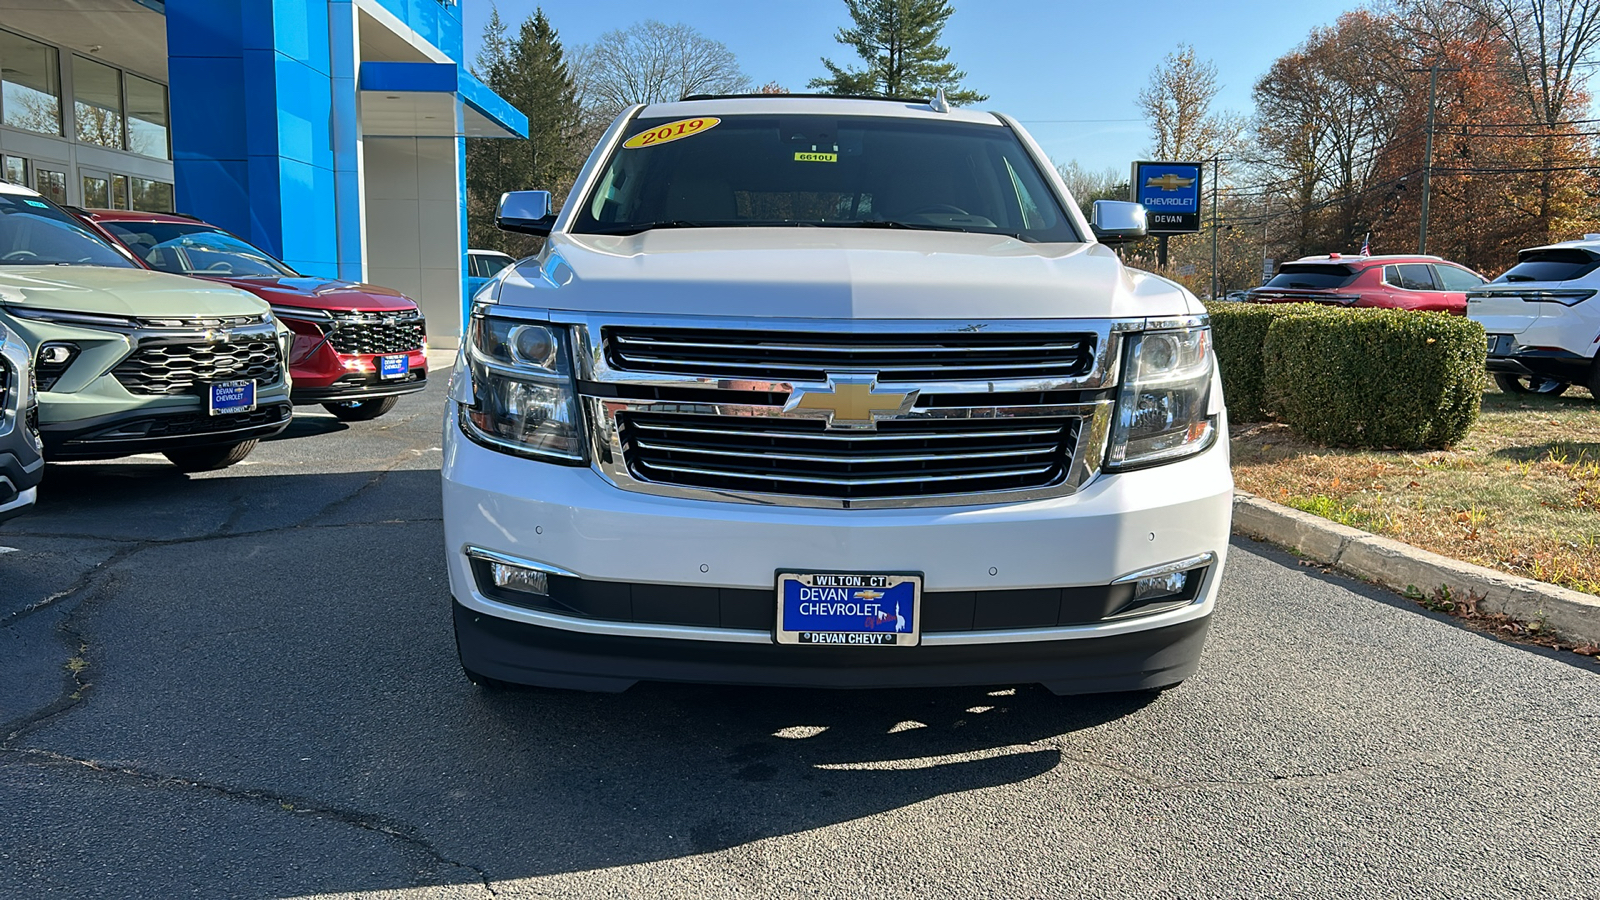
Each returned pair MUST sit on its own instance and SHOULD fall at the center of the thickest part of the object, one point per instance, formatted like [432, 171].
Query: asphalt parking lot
[243, 684]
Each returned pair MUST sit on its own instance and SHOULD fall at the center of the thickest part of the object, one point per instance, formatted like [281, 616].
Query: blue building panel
[478, 95]
[265, 116]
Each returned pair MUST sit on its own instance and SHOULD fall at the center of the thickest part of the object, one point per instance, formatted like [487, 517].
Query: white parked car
[1542, 320]
[831, 392]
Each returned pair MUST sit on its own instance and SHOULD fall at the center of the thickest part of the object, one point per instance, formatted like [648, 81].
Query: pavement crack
[398, 830]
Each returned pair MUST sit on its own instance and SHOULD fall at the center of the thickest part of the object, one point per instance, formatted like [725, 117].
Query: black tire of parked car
[209, 459]
[1594, 378]
[1531, 384]
[361, 410]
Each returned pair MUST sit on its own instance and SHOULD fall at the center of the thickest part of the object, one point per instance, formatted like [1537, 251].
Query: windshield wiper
[924, 226]
[638, 227]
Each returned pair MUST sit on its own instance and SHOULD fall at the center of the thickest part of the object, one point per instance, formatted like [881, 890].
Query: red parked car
[1396, 282]
[357, 347]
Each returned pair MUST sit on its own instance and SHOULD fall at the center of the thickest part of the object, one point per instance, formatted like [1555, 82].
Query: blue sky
[1044, 62]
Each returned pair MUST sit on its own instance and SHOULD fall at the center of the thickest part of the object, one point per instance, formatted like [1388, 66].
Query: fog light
[1159, 586]
[516, 578]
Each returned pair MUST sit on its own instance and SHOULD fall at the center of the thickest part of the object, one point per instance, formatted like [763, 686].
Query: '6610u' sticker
[672, 131]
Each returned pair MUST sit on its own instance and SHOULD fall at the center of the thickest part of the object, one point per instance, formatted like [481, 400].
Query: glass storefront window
[51, 184]
[30, 84]
[147, 117]
[97, 102]
[17, 170]
[96, 192]
[152, 196]
[119, 192]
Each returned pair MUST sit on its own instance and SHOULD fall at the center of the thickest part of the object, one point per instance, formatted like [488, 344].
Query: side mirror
[525, 212]
[1118, 221]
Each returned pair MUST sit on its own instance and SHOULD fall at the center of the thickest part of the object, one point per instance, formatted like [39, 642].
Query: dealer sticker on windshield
[672, 131]
[845, 609]
[816, 157]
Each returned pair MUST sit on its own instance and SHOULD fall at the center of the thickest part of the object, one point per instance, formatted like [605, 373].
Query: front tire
[361, 410]
[209, 459]
[1531, 384]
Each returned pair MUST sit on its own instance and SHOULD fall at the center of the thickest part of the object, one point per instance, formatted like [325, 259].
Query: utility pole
[1427, 157]
[1216, 182]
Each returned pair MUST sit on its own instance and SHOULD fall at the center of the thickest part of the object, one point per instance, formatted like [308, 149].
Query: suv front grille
[178, 368]
[903, 458]
[368, 333]
[811, 356]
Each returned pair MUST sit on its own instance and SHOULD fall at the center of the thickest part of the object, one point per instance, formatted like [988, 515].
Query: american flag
[1366, 245]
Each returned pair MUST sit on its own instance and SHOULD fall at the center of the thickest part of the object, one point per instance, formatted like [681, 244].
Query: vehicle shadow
[1565, 452]
[665, 771]
[315, 666]
[304, 426]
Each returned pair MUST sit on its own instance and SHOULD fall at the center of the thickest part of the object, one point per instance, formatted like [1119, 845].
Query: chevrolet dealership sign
[1170, 192]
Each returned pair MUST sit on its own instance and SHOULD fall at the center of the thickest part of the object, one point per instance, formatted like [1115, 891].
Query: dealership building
[331, 133]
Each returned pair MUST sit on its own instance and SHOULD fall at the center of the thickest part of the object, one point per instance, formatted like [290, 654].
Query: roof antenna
[939, 104]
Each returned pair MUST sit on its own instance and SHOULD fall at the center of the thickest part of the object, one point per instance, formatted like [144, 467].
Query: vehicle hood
[308, 292]
[121, 292]
[835, 274]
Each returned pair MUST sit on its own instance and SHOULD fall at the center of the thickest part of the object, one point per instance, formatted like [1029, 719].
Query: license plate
[390, 367]
[227, 397]
[849, 609]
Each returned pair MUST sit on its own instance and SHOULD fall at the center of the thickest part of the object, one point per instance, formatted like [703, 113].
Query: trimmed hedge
[1239, 332]
[1377, 378]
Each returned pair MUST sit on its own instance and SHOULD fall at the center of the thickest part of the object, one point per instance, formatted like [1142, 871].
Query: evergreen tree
[899, 42]
[532, 74]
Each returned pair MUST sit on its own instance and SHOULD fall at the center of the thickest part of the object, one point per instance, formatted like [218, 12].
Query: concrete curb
[1571, 614]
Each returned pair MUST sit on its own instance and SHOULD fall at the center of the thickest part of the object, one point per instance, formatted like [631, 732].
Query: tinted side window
[1452, 278]
[475, 265]
[493, 264]
[1416, 277]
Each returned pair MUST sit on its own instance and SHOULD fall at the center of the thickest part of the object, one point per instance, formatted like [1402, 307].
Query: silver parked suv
[21, 466]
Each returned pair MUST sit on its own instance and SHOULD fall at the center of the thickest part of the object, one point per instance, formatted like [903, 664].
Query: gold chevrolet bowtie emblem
[869, 595]
[1168, 182]
[850, 401]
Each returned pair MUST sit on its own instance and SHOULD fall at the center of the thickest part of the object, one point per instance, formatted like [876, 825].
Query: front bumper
[360, 386]
[529, 654]
[153, 428]
[573, 520]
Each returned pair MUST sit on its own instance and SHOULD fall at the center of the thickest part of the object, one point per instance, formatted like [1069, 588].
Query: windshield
[185, 248]
[1311, 276]
[1550, 265]
[814, 170]
[34, 233]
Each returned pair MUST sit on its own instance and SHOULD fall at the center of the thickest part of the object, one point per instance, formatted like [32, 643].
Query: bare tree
[1086, 186]
[1177, 104]
[652, 62]
[1549, 40]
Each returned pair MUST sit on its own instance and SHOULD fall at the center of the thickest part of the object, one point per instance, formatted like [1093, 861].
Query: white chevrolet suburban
[831, 392]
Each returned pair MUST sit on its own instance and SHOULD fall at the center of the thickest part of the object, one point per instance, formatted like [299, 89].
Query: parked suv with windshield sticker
[1542, 320]
[357, 347]
[132, 361]
[831, 392]
[1423, 283]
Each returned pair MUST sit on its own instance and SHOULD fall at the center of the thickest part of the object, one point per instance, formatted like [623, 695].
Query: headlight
[1162, 408]
[524, 399]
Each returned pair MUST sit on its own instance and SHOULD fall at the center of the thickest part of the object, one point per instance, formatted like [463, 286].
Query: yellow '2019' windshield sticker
[672, 131]
[816, 157]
